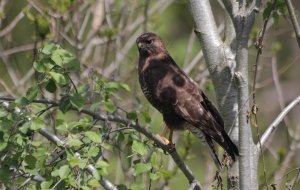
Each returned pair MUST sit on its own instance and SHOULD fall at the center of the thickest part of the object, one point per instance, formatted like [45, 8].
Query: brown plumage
[182, 104]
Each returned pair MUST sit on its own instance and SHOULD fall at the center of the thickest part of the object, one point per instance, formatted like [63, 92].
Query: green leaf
[96, 174]
[147, 117]
[29, 15]
[165, 173]
[64, 171]
[36, 124]
[267, 10]
[141, 168]
[49, 48]
[73, 182]
[95, 106]
[77, 162]
[43, 26]
[77, 101]
[58, 78]
[19, 139]
[3, 145]
[93, 151]
[80, 125]
[112, 85]
[106, 146]
[30, 161]
[44, 65]
[39, 66]
[36, 143]
[33, 172]
[4, 174]
[55, 173]
[32, 92]
[22, 101]
[132, 116]
[122, 187]
[65, 59]
[84, 187]
[65, 104]
[139, 148]
[154, 176]
[102, 164]
[125, 87]
[110, 107]
[154, 159]
[74, 142]
[102, 167]
[93, 136]
[3, 113]
[51, 86]
[46, 184]
[94, 183]
[24, 128]
[137, 186]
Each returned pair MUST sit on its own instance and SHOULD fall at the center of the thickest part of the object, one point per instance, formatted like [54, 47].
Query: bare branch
[13, 23]
[279, 90]
[161, 5]
[259, 46]
[231, 7]
[205, 26]
[18, 49]
[36, 178]
[276, 122]
[294, 20]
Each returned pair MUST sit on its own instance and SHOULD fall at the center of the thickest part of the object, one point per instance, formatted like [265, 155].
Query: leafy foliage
[24, 151]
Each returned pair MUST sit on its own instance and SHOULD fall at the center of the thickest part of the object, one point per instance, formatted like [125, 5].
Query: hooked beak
[140, 44]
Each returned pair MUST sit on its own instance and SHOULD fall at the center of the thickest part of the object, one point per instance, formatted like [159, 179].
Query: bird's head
[149, 44]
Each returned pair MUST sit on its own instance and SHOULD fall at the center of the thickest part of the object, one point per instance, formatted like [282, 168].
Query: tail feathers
[229, 146]
[213, 151]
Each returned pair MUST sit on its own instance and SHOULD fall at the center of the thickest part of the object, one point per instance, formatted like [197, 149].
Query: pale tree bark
[227, 62]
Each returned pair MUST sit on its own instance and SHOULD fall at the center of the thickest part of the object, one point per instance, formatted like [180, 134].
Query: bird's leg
[171, 144]
[163, 134]
[171, 136]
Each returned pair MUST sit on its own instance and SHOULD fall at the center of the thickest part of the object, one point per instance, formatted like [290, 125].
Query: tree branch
[220, 59]
[294, 20]
[206, 30]
[14, 22]
[276, 122]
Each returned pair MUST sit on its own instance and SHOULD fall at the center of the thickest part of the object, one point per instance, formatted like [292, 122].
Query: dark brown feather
[177, 96]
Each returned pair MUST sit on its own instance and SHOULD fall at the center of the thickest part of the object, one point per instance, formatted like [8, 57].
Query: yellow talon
[164, 139]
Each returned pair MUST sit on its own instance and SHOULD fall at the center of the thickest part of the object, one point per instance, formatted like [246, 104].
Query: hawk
[177, 97]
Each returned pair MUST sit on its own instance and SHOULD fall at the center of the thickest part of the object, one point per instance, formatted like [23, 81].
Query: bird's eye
[149, 42]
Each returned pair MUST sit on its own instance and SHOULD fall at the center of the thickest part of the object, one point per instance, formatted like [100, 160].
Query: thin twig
[280, 71]
[279, 91]
[26, 47]
[287, 173]
[107, 14]
[14, 22]
[276, 122]
[294, 20]
[259, 46]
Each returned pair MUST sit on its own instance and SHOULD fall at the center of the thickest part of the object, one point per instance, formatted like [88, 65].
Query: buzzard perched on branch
[182, 104]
